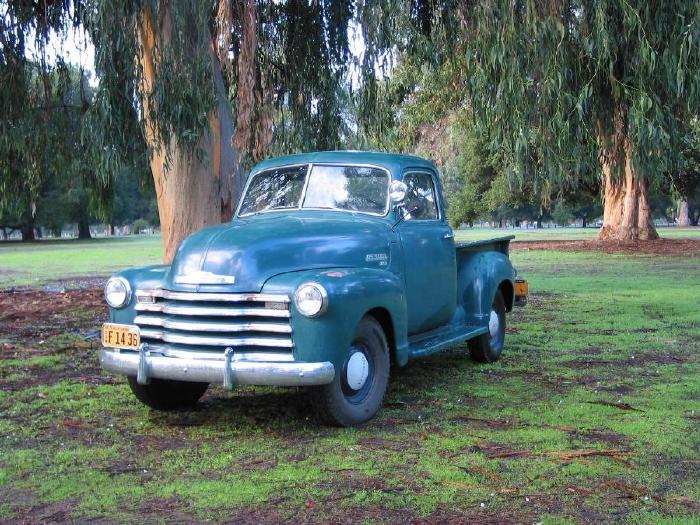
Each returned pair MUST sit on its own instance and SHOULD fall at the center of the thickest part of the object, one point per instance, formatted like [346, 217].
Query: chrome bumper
[229, 371]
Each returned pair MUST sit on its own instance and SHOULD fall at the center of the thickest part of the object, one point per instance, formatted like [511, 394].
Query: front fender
[480, 274]
[144, 278]
[352, 292]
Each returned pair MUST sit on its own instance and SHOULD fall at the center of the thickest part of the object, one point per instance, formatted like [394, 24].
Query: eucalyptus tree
[588, 88]
[567, 91]
[216, 85]
[209, 87]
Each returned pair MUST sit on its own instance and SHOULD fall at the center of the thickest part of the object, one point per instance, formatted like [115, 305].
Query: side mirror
[407, 213]
[397, 192]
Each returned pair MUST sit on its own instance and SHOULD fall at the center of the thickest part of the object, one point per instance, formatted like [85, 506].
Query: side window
[420, 196]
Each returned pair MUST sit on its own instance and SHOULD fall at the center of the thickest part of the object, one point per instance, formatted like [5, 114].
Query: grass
[23, 264]
[37, 263]
[603, 361]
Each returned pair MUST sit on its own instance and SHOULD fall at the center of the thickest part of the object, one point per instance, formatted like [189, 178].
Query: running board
[425, 344]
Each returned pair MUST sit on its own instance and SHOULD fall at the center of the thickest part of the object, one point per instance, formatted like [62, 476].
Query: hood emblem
[201, 277]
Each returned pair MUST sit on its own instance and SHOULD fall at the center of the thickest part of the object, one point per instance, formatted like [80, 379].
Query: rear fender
[479, 276]
[352, 292]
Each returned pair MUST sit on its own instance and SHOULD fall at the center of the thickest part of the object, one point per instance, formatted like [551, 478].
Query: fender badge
[202, 277]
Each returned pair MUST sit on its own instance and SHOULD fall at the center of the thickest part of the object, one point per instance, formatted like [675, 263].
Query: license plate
[121, 336]
[521, 288]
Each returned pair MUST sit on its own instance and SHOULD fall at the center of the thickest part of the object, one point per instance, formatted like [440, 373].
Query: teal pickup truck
[336, 266]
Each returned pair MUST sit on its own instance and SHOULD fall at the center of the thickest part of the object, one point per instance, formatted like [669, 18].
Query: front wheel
[357, 390]
[487, 347]
[164, 394]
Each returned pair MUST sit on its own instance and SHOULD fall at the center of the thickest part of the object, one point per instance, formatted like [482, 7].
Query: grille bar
[193, 322]
[210, 296]
[179, 309]
[209, 326]
[199, 340]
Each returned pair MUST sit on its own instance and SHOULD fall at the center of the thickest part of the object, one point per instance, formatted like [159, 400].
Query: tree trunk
[626, 207]
[584, 222]
[683, 212]
[110, 230]
[192, 193]
[84, 229]
[28, 231]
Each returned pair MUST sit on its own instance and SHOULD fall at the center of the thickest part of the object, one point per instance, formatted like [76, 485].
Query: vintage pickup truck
[336, 266]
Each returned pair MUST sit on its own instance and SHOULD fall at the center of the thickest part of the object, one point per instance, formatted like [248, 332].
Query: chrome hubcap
[357, 370]
[494, 324]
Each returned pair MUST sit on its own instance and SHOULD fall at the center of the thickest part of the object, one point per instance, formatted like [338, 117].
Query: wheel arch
[506, 288]
[383, 317]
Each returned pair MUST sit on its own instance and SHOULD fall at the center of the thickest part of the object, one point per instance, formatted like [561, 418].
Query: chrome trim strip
[205, 326]
[176, 309]
[217, 355]
[202, 277]
[198, 340]
[209, 371]
[212, 296]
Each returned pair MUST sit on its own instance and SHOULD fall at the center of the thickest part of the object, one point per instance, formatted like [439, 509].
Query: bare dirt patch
[670, 247]
[31, 313]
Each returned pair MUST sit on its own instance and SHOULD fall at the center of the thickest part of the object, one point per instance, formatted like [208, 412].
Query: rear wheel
[164, 394]
[358, 388]
[487, 348]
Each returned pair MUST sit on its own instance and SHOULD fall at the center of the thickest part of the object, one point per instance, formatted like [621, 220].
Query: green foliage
[553, 84]
[140, 225]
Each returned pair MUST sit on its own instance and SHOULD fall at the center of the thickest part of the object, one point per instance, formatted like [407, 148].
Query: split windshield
[348, 188]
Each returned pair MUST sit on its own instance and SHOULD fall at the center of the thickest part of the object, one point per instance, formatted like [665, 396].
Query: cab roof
[396, 163]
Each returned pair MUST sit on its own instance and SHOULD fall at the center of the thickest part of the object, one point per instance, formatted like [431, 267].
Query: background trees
[529, 108]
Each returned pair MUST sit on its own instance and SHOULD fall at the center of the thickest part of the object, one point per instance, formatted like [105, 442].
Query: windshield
[349, 188]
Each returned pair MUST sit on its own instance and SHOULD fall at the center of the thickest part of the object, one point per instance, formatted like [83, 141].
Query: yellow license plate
[521, 288]
[121, 336]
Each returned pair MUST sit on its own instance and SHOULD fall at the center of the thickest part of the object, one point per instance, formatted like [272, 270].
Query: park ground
[592, 415]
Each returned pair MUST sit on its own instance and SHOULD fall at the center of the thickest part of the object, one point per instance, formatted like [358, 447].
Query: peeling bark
[191, 193]
[626, 208]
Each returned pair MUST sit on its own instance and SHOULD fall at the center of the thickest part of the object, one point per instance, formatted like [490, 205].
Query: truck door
[429, 255]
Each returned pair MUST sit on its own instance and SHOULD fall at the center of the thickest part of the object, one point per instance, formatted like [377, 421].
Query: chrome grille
[207, 323]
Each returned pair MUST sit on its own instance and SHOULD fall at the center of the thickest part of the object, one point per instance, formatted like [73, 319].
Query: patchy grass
[592, 415]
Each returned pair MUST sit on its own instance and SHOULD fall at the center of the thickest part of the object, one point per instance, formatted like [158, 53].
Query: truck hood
[249, 251]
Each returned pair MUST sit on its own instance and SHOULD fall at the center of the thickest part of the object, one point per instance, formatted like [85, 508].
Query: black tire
[338, 403]
[487, 348]
[163, 394]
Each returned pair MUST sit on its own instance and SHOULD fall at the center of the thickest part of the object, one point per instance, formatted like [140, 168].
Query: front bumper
[229, 371]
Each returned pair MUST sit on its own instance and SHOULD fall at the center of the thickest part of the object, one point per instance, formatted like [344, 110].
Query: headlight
[117, 292]
[311, 299]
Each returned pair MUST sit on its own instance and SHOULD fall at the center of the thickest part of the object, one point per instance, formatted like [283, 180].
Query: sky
[73, 45]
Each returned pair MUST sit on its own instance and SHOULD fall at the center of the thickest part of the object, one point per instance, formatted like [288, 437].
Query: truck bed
[499, 244]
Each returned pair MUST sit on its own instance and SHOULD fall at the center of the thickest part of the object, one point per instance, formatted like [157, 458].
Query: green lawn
[562, 234]
[592, 415]
[26, 264]
[32, 264]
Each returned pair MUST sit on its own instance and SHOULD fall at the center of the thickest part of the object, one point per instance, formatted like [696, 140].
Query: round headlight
[117, 292]
[311, 299]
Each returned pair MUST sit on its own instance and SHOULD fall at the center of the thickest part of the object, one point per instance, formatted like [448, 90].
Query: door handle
[449, 235]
